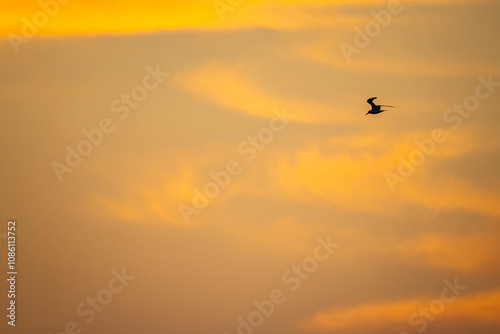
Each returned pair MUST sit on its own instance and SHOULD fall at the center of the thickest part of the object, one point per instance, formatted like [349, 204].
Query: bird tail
[388, 106]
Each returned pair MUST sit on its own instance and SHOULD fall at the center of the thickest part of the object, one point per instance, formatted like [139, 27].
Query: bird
[375, 108]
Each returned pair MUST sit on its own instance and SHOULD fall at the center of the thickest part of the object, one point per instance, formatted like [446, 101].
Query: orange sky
[262, 108]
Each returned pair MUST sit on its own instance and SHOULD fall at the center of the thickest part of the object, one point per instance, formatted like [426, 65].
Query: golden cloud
[352, 175]
[73, 17]
[331, 55]
[466, 253]
[480, 307]
[236, 89]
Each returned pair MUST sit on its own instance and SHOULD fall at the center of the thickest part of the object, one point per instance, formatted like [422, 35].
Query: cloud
[448, 193]
[126, 17]
[349, 172]
[398, 64]
[479, 307]
[369, 315]
[466, 253]
[236, 89]
[152, 191]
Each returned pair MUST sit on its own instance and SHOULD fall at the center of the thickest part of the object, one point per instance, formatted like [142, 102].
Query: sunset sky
[219, 153]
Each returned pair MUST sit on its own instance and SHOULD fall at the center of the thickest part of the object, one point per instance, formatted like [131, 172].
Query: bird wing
[370, 101]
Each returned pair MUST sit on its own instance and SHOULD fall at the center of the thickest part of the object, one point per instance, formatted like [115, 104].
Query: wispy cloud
[479, 308]
[236, 89]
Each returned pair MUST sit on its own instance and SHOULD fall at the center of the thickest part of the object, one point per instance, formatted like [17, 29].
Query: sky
[208, 167]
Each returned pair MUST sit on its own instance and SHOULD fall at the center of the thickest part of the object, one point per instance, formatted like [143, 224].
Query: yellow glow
[118, 16]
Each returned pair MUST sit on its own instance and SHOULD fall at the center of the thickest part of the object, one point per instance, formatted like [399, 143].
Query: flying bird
[376, 109]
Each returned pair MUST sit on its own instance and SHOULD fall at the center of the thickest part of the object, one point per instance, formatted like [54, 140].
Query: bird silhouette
[376, 109]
